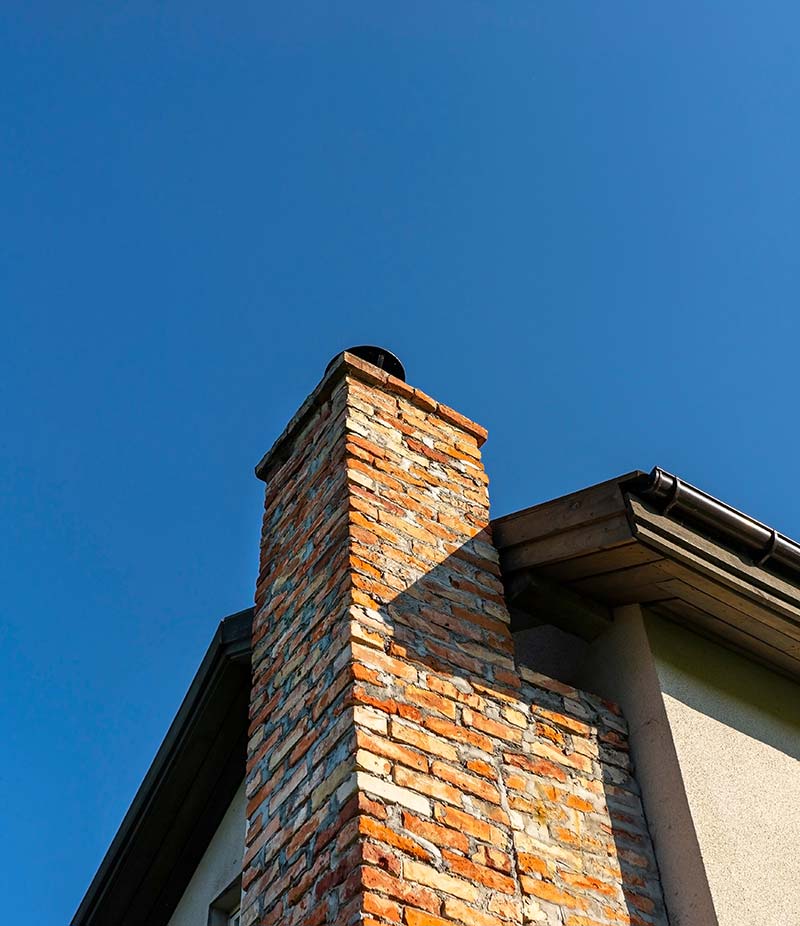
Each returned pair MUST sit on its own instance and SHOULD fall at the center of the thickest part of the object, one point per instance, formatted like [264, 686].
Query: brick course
[402, 769]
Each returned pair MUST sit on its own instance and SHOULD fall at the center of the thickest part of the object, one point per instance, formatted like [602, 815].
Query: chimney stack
[401, 769]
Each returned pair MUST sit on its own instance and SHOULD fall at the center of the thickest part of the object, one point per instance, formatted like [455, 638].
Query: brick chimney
[401, 768]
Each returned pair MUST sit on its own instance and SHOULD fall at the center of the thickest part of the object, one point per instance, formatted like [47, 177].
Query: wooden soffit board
[608, 547]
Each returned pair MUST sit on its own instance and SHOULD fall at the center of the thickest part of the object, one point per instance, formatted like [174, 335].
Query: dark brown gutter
[671, 496]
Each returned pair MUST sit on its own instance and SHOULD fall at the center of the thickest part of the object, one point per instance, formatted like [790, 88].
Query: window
[224, 911]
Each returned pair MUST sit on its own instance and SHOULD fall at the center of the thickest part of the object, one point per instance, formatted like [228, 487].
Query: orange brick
[480, 873]
[365, 601]
[532, 863]
[420, 918]
[372, 587]
[365, 674]
[584, 882]
[550, 733]
[423, 741]
[383, 747]
[536, 766]
[363, 536]
[481, 768]
[515, 782]
[438, 835]
[367, 805]
[375, 830]
[508, 909]
[466, 782]
[427, 784]
[466, 823]
[491, 727]
[439, 881]
[373, 853]
[416, 895]
[562, 720]
[360, 694]
[544, 890]
[571, 839]
[458, 733]
[493, 858]
[409, 712]
[443, 687]
[526, 805]
[578, 803]
[377, 659]
[362, 565]
[458, 910]
[430, 700]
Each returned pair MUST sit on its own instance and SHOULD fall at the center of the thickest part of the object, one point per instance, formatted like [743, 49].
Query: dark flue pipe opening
[379, 357]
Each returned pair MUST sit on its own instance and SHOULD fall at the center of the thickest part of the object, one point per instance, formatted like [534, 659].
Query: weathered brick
[421, 918]
[430, 700]
[371, 719]
[465, 822]
[458, 910]
[392, 793]
[413, 894]
[432, 832]
[423, 741]
[401, 769]
[384, 747]
[427, 784]
[493, 858]
[371, 763]
[491, 727]
[549, 892]
[376, 830]
[458, 733]
[380, 906]
[536, 766]
[481, 874]
[440, 881]
[467, 783]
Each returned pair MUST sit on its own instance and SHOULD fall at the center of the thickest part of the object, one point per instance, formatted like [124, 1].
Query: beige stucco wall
[620, 666]
[221, 863]
[736, 731]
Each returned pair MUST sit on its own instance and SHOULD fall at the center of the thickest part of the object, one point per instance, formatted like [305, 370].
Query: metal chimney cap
[379, 357]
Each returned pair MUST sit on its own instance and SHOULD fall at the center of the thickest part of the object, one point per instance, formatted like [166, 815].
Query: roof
[655, 540]
[651, 539]
[184, 795]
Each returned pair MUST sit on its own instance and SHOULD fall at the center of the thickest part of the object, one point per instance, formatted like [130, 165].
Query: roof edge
[230, 643]
[673, 497]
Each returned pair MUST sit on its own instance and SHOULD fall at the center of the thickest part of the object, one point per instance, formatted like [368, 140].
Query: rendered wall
[220, 864]
[620, 665]
[736, 730]
[402, 769]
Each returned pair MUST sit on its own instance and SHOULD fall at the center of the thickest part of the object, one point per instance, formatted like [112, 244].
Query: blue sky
[576, 223]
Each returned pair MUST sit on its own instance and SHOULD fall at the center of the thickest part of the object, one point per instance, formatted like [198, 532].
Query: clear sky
[575, 222]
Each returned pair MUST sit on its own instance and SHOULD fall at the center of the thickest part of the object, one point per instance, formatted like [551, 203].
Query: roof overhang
[650, 539]
[184, 795]
[655, 540]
